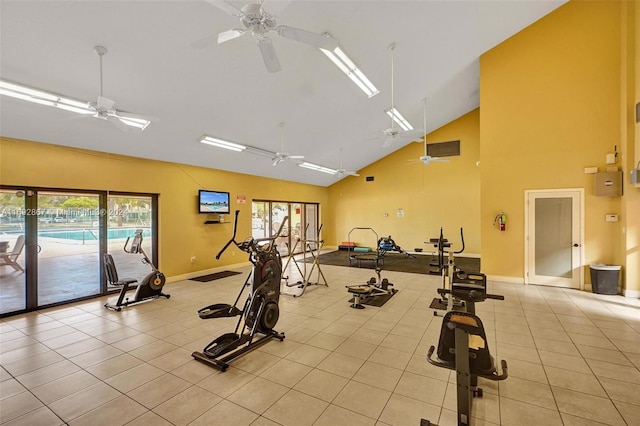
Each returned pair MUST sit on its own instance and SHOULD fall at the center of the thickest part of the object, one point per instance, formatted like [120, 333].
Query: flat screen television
[216, 202]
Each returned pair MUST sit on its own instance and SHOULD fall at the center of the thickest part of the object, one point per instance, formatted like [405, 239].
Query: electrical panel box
[608, 184]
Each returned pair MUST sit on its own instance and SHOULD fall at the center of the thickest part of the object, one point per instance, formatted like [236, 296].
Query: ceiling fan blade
[229, 35]
[416, 135]
[113, 119]
[205, 42]
[106, 104]
[277, 161]
[125, 114]
[439, 160]
[308, 37]
[387, 142]
[296, 157]
[269, 56]
[226, 7]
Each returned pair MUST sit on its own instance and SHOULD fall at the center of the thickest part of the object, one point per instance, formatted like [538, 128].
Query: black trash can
[604, 278]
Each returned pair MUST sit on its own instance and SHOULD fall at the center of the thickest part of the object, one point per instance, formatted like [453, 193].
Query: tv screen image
[213, 202]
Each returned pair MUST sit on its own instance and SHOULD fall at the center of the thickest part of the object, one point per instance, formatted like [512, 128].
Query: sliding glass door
[302, 223]
[52, 241]
[13, 277]
[68, 241]
[127, 213]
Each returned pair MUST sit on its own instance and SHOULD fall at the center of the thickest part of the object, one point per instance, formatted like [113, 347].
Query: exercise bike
[149, 288]
[449, 272]
[463, 347]
[260, 312]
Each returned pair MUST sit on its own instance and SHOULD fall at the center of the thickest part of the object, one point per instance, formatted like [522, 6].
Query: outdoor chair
[11, 258]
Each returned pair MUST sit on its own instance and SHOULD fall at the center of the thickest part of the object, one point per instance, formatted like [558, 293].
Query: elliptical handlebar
[233, 237]
[126, 243]
[461, 238]
[250, 244]
[277, 234]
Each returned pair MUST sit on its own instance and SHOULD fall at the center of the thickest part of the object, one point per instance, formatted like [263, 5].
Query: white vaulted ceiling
[225, 91]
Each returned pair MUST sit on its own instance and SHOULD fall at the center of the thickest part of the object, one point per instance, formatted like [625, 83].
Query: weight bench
[358, 292]
[371, 289]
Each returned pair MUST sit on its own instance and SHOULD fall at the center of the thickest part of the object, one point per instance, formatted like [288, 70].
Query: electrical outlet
[193, 259]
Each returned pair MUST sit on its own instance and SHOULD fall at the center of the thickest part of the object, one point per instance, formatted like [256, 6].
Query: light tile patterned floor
[574, 359]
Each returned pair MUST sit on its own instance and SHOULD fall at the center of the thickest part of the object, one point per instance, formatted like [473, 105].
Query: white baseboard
[193, 274]
[634, 294]
[501, 279]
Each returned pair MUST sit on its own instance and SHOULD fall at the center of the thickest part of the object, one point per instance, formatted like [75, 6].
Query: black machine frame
[150, 287]
[260, 311]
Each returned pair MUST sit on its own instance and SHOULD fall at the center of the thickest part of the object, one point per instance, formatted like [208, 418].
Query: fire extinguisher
[501, 220]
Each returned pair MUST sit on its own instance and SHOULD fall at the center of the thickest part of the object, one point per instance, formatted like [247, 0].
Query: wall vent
[369, 179]
[443, 149]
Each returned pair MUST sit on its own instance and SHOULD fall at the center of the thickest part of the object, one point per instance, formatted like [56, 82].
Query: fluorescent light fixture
[399, 119]
[221, 143]
[318, 168]
[41, 97]
[347, 66]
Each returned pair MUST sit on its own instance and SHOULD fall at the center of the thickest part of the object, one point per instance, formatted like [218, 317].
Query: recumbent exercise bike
[260, 312]
[463, 343]
[149, 288]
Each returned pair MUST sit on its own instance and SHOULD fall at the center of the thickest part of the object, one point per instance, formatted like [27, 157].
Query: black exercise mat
[438, 304]
[215, 276]
[420, 264]
[376, 300]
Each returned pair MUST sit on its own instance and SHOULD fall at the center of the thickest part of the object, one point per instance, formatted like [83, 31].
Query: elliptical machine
[260, 312]
[149, 288]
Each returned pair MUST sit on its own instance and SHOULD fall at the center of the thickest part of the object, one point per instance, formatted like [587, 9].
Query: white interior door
[553, 230]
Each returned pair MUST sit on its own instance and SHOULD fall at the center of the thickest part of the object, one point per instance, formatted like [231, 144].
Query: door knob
[576, 245]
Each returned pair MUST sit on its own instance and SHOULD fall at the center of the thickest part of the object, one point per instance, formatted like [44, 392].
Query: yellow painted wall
[439, 195]
[181, 229]
[550, 106]
[630, 97]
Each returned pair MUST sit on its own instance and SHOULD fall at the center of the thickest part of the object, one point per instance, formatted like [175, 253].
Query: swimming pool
[92, 234]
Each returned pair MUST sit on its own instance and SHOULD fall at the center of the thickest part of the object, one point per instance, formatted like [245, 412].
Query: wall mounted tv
[215, 202]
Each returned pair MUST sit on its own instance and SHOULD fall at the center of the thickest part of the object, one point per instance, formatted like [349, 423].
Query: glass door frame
[289, 230]
[31, 247]
[578, 227]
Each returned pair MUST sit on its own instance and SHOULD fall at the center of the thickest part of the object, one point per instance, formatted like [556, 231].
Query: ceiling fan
[343, 172]
[395, 133]
[282, 155]
[427, 159]
[259, 23]
[105, 108]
